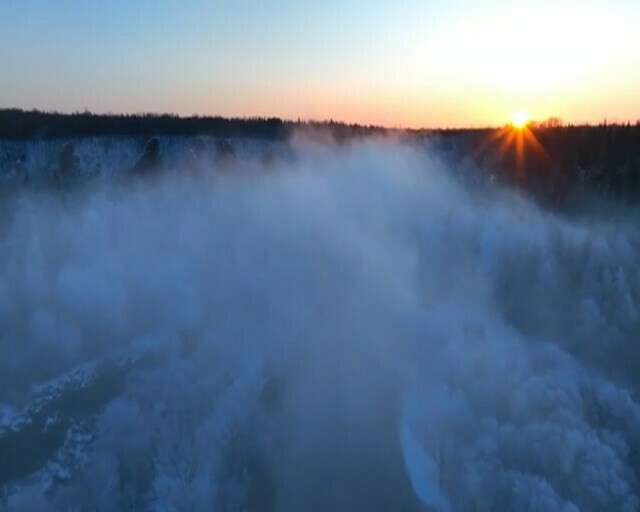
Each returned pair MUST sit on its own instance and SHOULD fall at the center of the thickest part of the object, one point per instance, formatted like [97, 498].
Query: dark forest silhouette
[23, 124]
[549, 159]
[553, 160]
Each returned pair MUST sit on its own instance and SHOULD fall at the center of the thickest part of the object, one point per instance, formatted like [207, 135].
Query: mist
[354, 326]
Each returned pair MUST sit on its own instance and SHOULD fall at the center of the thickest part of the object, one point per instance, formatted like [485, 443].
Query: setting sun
[520, 119]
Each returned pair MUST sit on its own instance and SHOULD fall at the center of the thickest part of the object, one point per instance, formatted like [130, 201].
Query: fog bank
[360, 327]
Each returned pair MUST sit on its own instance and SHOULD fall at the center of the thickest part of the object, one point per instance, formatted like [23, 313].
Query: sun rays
[516, 139]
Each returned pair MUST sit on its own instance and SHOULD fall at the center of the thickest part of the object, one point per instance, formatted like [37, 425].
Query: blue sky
[415, 62]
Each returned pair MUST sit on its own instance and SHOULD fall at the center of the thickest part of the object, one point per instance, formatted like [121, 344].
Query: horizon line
[310, 121]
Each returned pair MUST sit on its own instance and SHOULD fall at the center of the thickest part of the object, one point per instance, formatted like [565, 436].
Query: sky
[409, 63]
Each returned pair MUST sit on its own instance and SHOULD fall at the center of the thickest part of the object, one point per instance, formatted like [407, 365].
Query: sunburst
[517, 136]
[520, 120]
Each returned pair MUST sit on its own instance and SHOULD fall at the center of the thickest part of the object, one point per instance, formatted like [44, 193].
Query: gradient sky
[399, 63]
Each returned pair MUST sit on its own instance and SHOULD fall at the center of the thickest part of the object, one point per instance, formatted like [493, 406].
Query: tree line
[26, 124]
[553, 160]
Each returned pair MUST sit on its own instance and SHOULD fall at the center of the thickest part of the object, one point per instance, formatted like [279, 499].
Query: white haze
[437, 346]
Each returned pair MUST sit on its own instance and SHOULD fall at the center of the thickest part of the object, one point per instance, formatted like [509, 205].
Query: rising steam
[354, 328]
